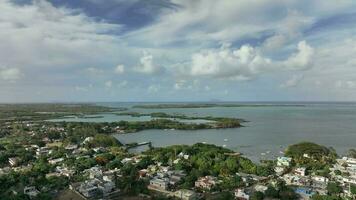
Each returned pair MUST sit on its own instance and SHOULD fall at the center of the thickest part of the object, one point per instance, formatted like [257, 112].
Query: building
[159, 183]
[31, 191]
[284, 161]
[206, 182]
[261, 188]
[279, 170]
[14, 161]
[71, 147]
[42, 151]
[185, 194]
[304, 193]
[95, 187]
[55, 161]
[241, 194]
[300, 171]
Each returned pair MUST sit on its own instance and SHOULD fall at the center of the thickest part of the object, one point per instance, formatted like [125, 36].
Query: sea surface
[269, 130]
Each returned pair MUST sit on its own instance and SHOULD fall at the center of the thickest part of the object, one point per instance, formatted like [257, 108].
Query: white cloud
[94, 70]
[122, 84]
[147, 66]
[108, 84]
[302, 59]
[10, 74]
[293, 81]
[120, 69]
[153, 88]
[81, 89]
[246, 62]
[345, 84]
[41, 35]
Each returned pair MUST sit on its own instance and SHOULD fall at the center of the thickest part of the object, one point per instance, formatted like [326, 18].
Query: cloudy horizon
[177, 50]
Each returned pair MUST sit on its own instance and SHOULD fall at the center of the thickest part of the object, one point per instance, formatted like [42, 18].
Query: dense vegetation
[317, 158]
[42, 111]
[206, 105]
[208, 160]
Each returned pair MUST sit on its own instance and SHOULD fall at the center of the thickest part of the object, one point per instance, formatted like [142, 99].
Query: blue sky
[177, 50]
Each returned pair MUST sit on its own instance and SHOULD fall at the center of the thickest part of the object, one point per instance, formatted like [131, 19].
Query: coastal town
[42, 160]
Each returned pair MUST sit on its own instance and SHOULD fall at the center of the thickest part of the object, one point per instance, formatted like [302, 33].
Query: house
[64, 171]
[300, 171]
[304, 193]
[71, 147]
[142, 173]
[182, 155]
[279, 170]
[284, 161]
[95, 172]
[126, 160]
[42, 151]
[106, 187]
[88, 189]
[261, 188]
[159, 183]
[241, 194]
[206, 182]
[14, 161]
[55, 161]
[185, 194]
[31, 191]
[88, 139]
[94, 187]
[319, 182]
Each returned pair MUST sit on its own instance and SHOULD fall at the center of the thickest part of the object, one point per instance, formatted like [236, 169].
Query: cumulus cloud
[153, 88]
[81, 89]
[10, 74]
[122, 84]
[302, 59]
[108, 84]
[120, 69]
[147, 66]
[44, 36]
[292, 82]
[246, 62]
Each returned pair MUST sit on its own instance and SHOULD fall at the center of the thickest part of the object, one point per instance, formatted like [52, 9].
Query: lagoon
[269, 131]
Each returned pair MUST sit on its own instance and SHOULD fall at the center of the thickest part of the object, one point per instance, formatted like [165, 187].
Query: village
[52, 158]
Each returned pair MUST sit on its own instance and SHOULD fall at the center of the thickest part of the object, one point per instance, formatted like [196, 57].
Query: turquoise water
[269, 130]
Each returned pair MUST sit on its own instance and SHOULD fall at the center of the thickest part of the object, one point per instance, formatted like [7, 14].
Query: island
[210, 105]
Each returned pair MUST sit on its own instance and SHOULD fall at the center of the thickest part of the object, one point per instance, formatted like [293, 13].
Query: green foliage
[325, 197]
[312, 149]
[102, 140]
[333, 188]
[352, 153]
[353, 189]
[257, 196]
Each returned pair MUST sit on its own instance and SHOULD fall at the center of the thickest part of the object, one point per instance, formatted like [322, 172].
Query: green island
[209, 105]
[44, 111]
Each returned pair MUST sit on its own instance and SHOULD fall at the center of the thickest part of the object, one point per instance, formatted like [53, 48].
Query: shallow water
[269, 130]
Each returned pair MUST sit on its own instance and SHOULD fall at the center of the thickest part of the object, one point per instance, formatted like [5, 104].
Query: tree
[271, 192]
[257, 196]
[353, 189]
[333, 188]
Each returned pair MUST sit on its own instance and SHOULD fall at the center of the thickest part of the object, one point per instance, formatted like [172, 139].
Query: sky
[177, 50]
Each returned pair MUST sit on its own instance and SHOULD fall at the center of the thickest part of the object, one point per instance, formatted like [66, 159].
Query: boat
[225, 140]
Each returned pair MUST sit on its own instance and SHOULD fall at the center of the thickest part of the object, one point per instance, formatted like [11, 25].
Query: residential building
[206, 182]
[31, 191]
[185, 194]
[241, 194]
[14, 161]
[284, 161]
